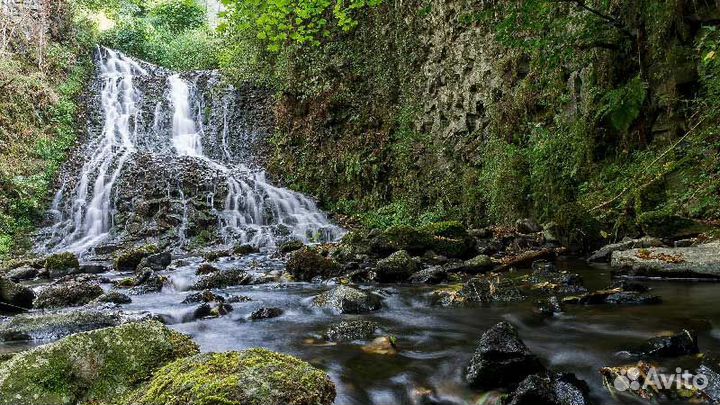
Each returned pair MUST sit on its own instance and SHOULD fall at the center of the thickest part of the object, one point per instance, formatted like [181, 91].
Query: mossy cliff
[487, 113]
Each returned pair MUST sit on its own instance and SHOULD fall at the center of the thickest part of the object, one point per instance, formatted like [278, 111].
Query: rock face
[97, 366]
[14, 297]
[255, 376]
[397, 267]
[306, 264]
[501, 359]
[68, 294]
[348, 300]
[701, 261]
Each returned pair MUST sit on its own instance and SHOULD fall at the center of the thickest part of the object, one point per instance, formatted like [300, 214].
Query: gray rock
[603, 254]
[265, 313]
[223, 279]
[501, 359]
[346, 331]
[397, 267]
[156, 262]
[702, 261]
[478, 264]
[94, 268]
[202, 296]
[22, 273]
[550, 389]
[14, 297]
[68, 294]
[348, 300]
[112, 297]
[431, 275]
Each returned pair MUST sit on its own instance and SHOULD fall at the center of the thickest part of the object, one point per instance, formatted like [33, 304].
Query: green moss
[249, 377]
[405, 237]
[448, 229]
[307, 263]
[90, 367]
[128, 260]
[62, 261]
[663, 224]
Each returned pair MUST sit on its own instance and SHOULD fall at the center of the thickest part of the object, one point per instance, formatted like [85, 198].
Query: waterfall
[182, 130]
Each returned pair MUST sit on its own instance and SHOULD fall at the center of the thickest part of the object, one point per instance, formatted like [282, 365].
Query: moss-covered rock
[14, 297]
[90, 367]
[128, 260]
[346, 331]
[348, 300]
[62, 263]
[222, 279]
[399, 266]
[55, 325]
[447, 229]
[249, 377]
[478, 264]
[663, 225]
[306, 264]
[404, 237]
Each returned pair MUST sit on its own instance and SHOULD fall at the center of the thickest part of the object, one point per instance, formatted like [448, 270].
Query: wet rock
[22, 273]
[527, 226]
[550, 389]
[265, 313]
[501, 359]
[91, 367]
[348, 300]
[14, 297]
[208, 310]
[237, 298]
[68, 294]
[710, 368]
[61, 264]
[603, 254]
[614, 297]
[147, 282]
[346, 331]
[112, 297]
[478, 264]
[244, 250]
[431, 275]
[129, 260]
[681, 344]
[489, 289]
[290, 246]
[626, 285]
[202, 296]
[94, 268]
[232, 378]
[156, 262]
[306, 264]
[54, 325]
[550, 306]
[547, 279]
[397, 267]
[223, 279]
[702, 261]
[216, 254]
[206, 268]
[385, 345]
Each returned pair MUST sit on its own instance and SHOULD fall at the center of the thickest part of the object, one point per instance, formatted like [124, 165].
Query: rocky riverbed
[434, 315]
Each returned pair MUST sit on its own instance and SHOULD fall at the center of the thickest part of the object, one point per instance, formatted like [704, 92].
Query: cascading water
[161, 180]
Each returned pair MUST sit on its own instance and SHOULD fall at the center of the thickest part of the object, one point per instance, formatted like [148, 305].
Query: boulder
[490, 289]
[603, 254]
[702, 261]
[348, 300]
[244, 250]
[209, 310]
[527, 226]
[546, 279]
[112, 297]
[55, 325]
[205, 269]
[91, 367]
[397, 267]
[129, 260]
[550, 389]
[265, 313]
[22, 273]
[614, 297]
[478, 264]
[680, 344]
[94, 268]
[430, 275]
[501, 359]
[254, 376]
[550, 306]
[306, 263]
[386, 345]
[61, 264]
[290, 246]
[346, 331]
[222, 279]
[68, 294]
[14, 297]
[202, 296]
[156, 262]
[404, 237]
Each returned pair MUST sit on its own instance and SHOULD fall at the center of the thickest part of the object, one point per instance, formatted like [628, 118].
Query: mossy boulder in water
[249, 377]
[348, 300]
[91, 367]
[306, 264]
[222, 279]
[62, 263]
[399, 266]
[129, 260]
[404, 237]
[68, 294]
[14, 297]
[56, 325]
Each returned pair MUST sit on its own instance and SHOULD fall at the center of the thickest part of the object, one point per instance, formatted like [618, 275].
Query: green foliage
[505, 181]
[170, 33]
[280, 22]
[622, 106]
